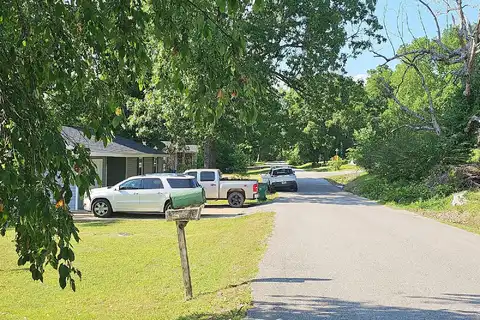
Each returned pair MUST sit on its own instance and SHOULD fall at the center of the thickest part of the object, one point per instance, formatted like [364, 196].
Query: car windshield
[182, 183]
[283, 172]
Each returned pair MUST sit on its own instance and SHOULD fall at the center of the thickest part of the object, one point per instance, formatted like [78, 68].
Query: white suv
[281, 178]
[148, 193]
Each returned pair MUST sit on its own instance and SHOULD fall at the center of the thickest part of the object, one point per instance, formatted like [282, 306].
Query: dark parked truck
[216, 188]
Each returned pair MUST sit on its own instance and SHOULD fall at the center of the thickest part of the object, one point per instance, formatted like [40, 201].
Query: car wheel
[168, 206]
[101, 208]
[271, 189]
[236, 199]
[295, 188]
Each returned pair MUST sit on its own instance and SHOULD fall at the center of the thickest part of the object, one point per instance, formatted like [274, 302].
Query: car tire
[168, 206]
[271, 189]
[295, 188]
[101, 208]
[236, 199]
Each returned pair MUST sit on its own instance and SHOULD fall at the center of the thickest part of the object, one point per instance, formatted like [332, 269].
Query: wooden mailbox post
[181, 217]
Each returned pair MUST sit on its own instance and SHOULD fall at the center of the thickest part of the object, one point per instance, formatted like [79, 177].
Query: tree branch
[400, 104]
[431, 108]
[207, 15]
[414, 127]
[439, 31]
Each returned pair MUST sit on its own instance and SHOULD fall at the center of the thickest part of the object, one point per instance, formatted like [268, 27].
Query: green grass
[307, 165]
[344, 179]
[258, 171]
[331, 169]
[224, 202]
[250, 176]
[409, 197]
[138, 276]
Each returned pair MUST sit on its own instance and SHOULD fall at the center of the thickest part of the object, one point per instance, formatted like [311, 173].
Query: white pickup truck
[280, 178]
[216, 188]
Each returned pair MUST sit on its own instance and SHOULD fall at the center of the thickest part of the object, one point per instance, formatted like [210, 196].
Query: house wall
[104, 170]
[147, 165]
[132, 166]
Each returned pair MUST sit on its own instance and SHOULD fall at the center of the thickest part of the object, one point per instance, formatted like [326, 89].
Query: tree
[453, 52]
[287, 42]
[74, 62]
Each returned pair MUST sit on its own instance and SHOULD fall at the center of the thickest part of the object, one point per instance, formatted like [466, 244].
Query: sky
[394, 14]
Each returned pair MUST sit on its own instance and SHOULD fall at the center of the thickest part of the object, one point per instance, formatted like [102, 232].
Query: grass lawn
[308, 167]
[466, 216]
[131, 270]
[247, 175]
[258, 171]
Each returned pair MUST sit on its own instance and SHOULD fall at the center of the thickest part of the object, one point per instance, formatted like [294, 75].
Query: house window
[155, 165]
[139, 166]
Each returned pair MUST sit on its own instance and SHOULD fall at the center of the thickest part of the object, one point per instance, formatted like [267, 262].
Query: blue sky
[394, 13]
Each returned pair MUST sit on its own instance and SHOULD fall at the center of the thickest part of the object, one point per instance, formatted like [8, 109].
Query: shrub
[336, 163]
[293, 156]
[231, 158]
[381, 189]
[405, 154]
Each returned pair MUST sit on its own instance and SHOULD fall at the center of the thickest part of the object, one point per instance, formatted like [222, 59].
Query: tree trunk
[209, 158]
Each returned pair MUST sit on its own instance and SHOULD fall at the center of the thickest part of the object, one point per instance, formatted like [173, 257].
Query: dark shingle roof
[118, 147]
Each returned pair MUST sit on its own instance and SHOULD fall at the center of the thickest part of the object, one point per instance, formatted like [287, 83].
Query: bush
[383, 190]
[404, 154]
[336, 163]
[475, 156]
[231, 158]
[293, 156]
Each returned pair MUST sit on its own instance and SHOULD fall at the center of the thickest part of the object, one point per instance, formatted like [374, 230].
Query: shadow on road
[451, 297]
[320, 191]
[270, 280]
[310, 307]
[337, 199]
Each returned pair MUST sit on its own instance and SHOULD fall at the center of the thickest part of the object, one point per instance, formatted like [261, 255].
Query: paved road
[333, 255]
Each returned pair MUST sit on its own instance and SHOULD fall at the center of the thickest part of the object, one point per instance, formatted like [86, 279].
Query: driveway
[334, 255]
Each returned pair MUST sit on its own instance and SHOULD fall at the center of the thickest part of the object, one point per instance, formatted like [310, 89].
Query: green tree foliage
[305, 38]
[317, 127]
[402, 142]
[74, 62]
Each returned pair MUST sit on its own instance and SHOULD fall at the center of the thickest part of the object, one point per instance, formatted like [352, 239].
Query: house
[120, 159]
[180, 158]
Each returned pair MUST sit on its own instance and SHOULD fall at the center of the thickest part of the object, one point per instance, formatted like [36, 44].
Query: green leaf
[63, 253]
[233, 6]
[63, 271]
[62, 282]
[221, 5]
[200, 22]
[24, 43]
[71, 255]
[72, 285]
[258, 5]
[116, 121]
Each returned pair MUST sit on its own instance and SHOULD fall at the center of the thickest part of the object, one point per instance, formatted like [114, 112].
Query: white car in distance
[279, 178]
[147, 193]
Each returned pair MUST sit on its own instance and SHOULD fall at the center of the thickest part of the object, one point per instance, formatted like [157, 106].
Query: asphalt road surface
[334, 255]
